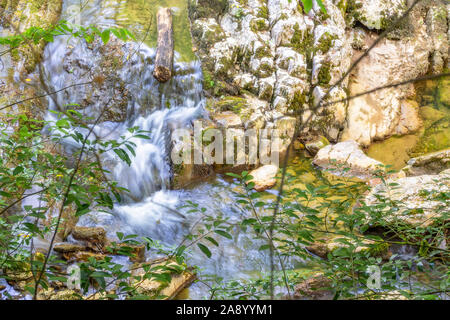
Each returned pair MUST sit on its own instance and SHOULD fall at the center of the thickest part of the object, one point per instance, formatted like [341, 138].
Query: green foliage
[36, 34]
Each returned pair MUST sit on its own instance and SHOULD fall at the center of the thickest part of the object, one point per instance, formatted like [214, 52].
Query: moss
[297, 102]
[324, 76]
[302, 41]
[265, 70]
[342, 5]
[207, 8]
[231, 103]
[259, 24]
[263, 12]
[262, 52]
[325, 42]
[352, 12]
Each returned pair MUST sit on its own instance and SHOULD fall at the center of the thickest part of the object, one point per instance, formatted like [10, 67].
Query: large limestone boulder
[264, 177]
[265, 48]
[431, 163]
[418, 201]
[347, 159]
[421, 47]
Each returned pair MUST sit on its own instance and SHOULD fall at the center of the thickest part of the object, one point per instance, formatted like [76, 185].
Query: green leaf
[307, 5]
[204, 249]
[321, 5]
[212, 240]
[105, 36]
[223, 234]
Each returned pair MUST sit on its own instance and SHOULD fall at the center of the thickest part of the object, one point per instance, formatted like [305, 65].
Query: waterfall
[151, 106]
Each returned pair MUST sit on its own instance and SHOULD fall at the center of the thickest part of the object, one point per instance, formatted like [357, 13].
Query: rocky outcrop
[276, 53]
[347, 159]
[417, 201]
[432, 163]
[390, 111]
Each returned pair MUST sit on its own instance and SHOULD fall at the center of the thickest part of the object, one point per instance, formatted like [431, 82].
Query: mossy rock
[207, 8]
[259, 24]
[231, 103]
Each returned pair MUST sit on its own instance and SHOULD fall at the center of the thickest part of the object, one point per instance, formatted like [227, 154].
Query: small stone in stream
[82, 256]
[68, 247]
[264, 177]
[314, 146]
[347, 159]
[2, 287]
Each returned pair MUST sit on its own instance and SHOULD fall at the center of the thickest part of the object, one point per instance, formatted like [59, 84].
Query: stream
[160, 108]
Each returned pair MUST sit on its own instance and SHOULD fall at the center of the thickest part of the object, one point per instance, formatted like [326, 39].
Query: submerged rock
[264, 177]
[347, 159]
[432, 163]
[68, 247]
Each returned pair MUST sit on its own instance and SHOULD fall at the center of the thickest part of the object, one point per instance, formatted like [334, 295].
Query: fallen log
[164, 50]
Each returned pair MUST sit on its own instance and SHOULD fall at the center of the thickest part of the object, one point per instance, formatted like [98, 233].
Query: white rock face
[374, 13]
[380, 114]
[383, 113]
[347, 154]
[264, 177]
[266, 47]
[290, 59]
[414, 193]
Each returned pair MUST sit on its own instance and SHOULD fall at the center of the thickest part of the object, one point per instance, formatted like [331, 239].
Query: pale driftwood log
[164, 50]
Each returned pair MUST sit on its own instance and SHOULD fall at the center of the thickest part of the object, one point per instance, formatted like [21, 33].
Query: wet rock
[52, 294]
[180, 278]
[347, 159]
[264, 177]
[136, 253]
[315, 288]
[431, 163]
[418, 200]
[322, 247]
[314, 146]
[68, 247]
[93, 237]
